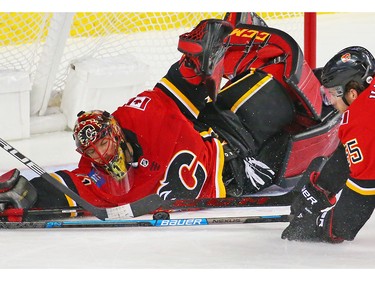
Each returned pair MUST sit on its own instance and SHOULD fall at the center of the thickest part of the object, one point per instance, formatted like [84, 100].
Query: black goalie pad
[261, 103]
[229, 128]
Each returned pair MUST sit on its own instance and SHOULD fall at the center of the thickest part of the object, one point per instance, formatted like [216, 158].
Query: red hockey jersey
[357, 134]
[177, 161]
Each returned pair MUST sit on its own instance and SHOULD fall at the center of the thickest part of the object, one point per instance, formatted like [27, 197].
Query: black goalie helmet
[353, 63]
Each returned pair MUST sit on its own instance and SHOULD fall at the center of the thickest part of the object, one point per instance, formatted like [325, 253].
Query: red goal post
[310, 38]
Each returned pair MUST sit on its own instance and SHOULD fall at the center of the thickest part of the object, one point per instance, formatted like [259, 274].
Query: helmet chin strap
[125, 147]
[345, 100]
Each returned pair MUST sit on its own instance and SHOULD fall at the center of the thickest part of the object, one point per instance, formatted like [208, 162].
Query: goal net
[46, 45]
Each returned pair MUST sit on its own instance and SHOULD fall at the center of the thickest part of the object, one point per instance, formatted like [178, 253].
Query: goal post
[48, 65]
[48, 46]
[310, 38]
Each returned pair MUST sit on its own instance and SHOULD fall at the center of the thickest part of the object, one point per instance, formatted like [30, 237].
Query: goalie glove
[204, 48]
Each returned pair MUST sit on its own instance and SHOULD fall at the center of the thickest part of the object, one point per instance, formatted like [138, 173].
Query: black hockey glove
[306, 208]
[312, 198]
[302, 228]
[312, 228]
[324, 228]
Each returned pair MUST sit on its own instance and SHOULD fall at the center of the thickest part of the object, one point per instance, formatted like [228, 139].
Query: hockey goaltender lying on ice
[255, 136]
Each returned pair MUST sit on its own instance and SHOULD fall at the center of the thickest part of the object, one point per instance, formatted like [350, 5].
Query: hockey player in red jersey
[159, 142]
[349, 83]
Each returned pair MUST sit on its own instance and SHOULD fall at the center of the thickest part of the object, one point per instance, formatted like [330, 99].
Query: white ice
[242, 246]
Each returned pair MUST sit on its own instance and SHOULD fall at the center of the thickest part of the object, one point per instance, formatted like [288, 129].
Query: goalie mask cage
[45, 45]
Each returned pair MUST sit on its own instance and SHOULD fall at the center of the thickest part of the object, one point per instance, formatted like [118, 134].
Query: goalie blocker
[19, 193]
[16, 190]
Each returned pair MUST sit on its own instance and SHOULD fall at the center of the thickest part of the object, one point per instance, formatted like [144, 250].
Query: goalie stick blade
[146, 223]
[146, 205]
[138, 208]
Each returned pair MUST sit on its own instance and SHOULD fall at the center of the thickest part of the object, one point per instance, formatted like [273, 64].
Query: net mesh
[150, 37]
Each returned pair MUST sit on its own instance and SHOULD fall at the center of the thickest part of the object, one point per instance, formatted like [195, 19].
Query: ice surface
[244, 246]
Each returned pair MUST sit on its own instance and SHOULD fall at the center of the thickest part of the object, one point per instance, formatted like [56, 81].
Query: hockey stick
[146, 223]
[249, 201]
[167, 206]
[135, 209]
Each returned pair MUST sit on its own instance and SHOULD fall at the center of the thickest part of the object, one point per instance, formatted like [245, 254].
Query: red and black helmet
[90, 127]
[98, 137]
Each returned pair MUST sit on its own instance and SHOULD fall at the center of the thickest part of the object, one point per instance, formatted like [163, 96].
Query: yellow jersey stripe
[219, 184]
[220, 188]
[359, 189]
[207, 134]
[70, 201]
[238, 81]
[180, 96]
[251, 92]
